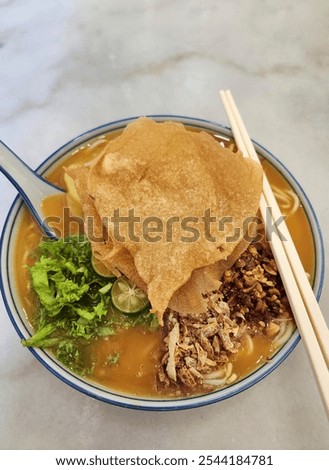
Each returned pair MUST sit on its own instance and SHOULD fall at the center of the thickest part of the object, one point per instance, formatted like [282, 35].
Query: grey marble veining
[67, 66]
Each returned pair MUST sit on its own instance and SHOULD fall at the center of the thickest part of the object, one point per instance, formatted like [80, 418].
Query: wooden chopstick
[307, 313]
[316, 317]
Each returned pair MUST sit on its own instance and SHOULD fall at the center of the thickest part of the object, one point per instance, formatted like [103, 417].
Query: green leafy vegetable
[75, 303]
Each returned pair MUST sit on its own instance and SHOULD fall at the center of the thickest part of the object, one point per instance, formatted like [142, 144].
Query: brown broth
[244, 361]
[138, 364]
[139, 349]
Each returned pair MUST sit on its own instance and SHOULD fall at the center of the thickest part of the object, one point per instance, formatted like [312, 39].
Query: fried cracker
[164, 171]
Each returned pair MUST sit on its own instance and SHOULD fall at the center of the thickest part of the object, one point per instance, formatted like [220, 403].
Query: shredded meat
[201, 345]
[250, 299]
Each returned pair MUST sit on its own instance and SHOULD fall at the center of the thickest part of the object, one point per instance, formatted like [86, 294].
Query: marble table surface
[67, 66]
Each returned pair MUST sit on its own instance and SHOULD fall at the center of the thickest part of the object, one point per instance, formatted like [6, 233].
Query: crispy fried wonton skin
[172, 178]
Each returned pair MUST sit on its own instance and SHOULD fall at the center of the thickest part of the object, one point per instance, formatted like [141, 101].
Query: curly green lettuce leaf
[74, 303]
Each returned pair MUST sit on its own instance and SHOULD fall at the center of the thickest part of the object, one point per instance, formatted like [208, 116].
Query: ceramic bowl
[15, 311]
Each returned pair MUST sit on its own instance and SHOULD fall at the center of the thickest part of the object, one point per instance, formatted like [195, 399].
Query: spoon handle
[31, 186]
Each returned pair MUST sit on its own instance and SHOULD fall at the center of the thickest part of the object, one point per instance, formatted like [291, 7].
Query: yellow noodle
[288, 200]
[283, 338]
[249, 344]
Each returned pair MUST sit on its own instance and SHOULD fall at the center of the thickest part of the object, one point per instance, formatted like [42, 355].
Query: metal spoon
[31, 186]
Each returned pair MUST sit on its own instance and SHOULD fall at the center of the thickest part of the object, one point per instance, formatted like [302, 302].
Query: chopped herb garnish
[112, 359]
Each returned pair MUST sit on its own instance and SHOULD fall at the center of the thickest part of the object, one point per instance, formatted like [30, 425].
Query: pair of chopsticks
[310, 322]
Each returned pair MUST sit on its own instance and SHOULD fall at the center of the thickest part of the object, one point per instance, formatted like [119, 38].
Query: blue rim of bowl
[94, 390]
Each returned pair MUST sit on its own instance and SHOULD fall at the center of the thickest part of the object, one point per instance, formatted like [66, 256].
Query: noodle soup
[134, 360]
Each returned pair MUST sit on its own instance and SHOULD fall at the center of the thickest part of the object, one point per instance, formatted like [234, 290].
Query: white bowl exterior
[15, 309]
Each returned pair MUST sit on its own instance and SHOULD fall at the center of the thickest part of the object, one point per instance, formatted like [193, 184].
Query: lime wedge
[127, 297]
[101, 269]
